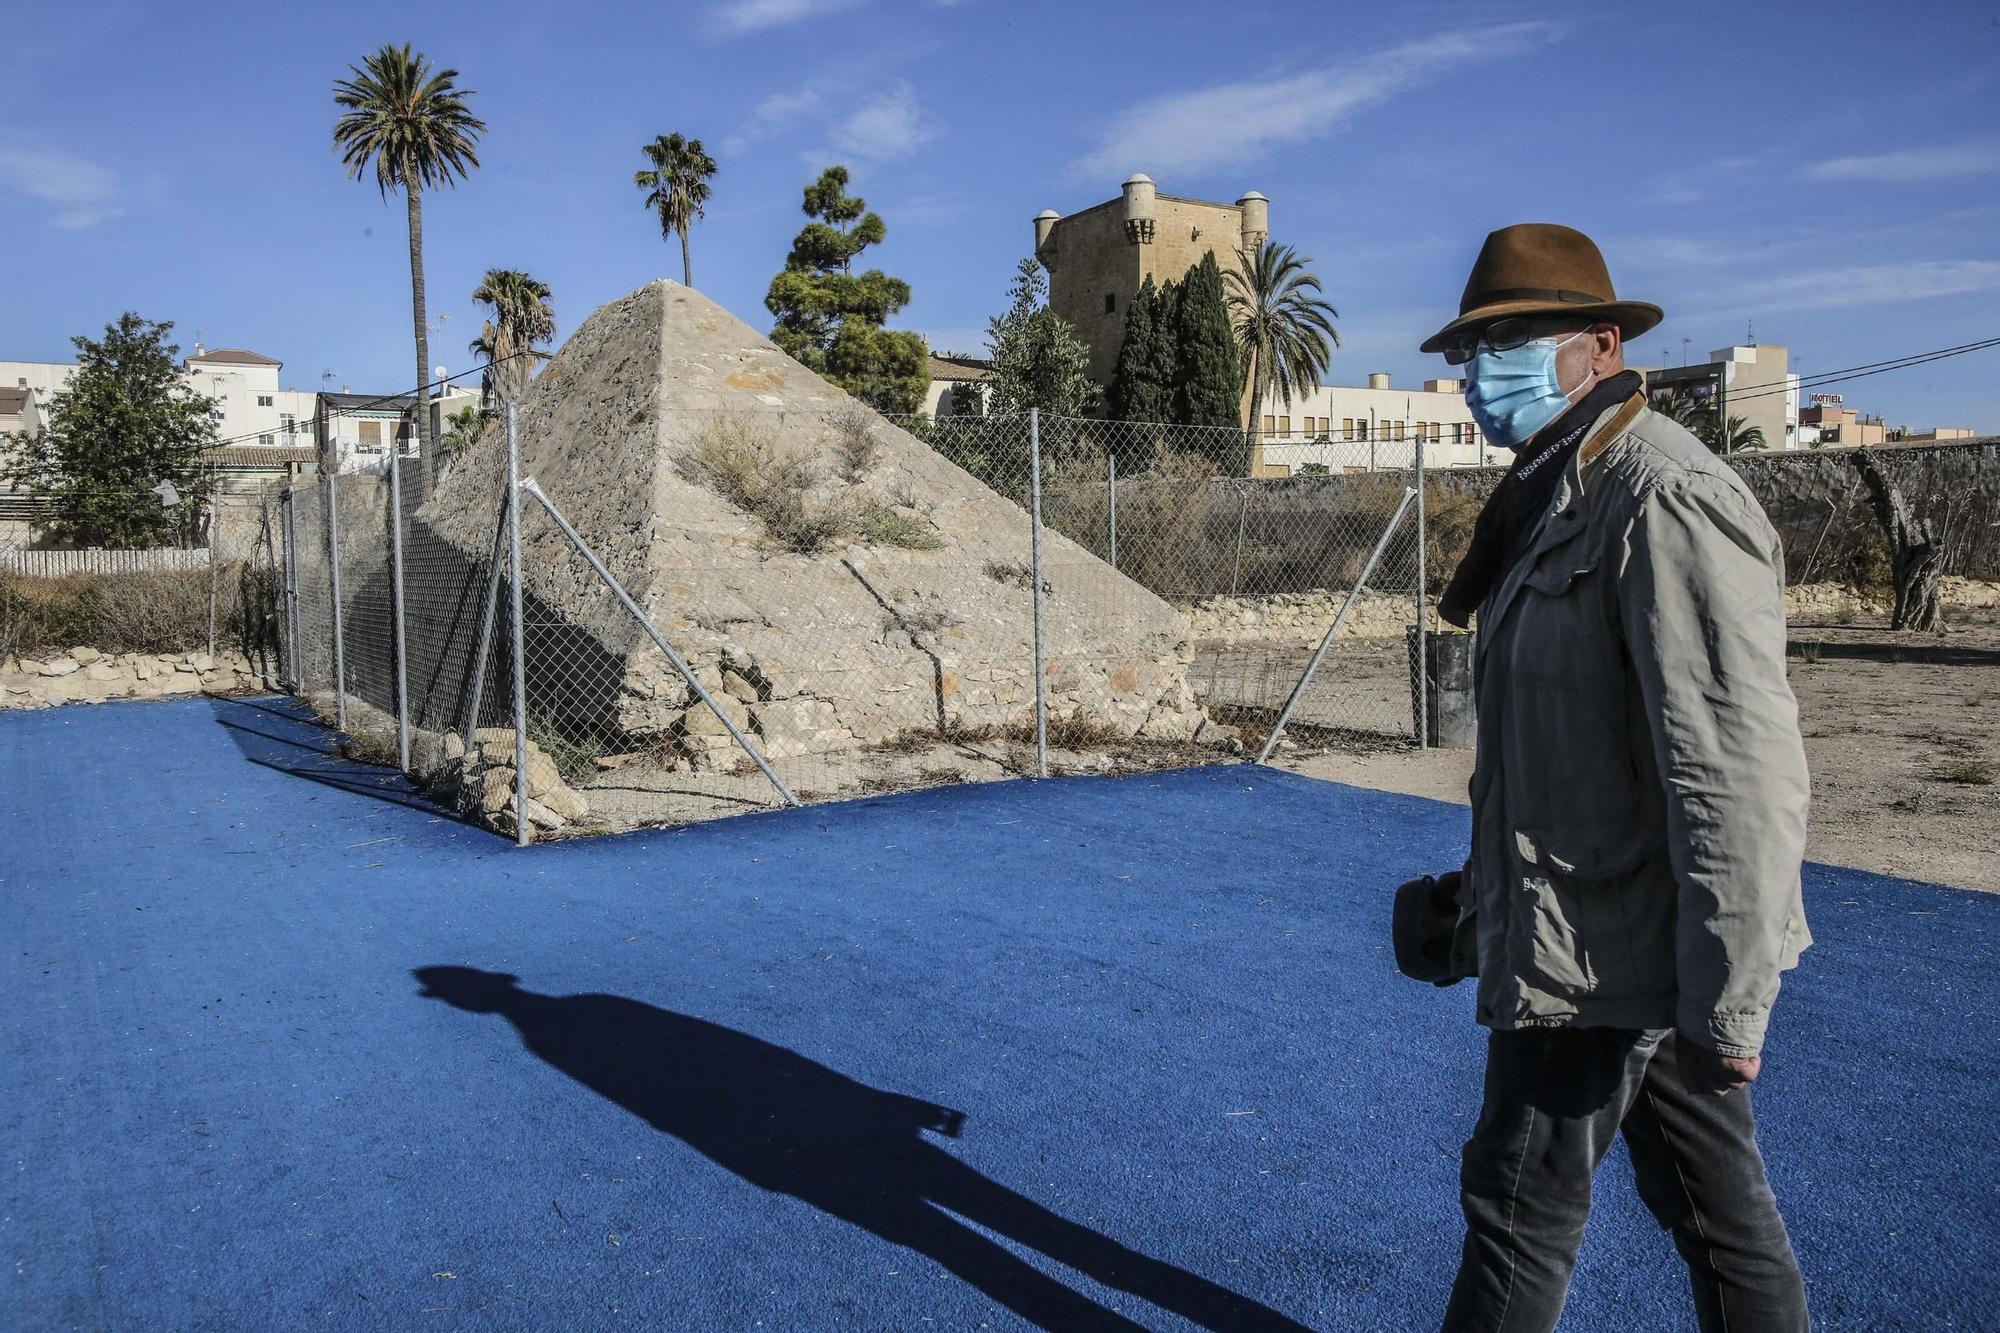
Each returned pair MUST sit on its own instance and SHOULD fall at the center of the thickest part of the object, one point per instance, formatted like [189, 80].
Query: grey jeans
[1554, 1098]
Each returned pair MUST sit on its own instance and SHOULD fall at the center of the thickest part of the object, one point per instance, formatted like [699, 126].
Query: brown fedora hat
[1541, 268]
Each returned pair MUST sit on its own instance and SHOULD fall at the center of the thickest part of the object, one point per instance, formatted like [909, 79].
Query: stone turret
[1141, 209]
[1045, 230]
[1256, 211]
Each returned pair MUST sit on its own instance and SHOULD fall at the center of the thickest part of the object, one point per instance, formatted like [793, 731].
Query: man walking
[1639, 804]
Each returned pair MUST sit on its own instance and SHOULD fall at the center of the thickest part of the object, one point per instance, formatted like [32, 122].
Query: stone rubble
[480, 782]
[88, 675]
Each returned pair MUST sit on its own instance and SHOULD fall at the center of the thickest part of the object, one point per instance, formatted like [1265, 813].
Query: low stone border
[86, 675]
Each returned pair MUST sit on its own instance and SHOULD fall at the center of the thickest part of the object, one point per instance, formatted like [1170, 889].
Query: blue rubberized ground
[722, 1093]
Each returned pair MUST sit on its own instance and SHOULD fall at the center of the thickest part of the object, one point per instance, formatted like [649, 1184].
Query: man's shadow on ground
[792, 1126]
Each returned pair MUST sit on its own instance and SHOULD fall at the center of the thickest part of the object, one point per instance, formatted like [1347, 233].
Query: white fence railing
[101, 560]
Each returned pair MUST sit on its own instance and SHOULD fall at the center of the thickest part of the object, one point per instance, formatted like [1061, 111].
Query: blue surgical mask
[1514, 393]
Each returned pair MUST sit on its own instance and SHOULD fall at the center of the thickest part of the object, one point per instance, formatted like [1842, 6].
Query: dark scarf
[1507, 523]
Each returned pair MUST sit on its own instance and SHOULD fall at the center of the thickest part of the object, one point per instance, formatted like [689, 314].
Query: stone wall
[85, 675]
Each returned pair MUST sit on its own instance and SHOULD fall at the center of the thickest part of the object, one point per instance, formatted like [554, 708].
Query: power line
[1867, 369]
[418, 393]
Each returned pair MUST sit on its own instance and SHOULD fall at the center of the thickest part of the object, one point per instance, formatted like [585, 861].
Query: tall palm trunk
[422, 327]
[1256, 407]
[687, 265]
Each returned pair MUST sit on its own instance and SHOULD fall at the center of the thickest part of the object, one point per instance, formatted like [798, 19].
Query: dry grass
[855, 447]
[887, 527]
[159, 611]
[1968, 770]
[748, 468]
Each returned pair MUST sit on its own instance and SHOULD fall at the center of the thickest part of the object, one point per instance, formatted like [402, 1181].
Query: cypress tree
[1211, 370]
[1147, 361]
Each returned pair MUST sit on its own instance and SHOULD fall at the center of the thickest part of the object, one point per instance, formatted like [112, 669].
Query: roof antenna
[1750, 332]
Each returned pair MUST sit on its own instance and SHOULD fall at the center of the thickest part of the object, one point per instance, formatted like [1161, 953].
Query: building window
[1110, 303]
[264, 400]
[1270, 423]
[371, 433]
[1284, 426]
[288, 423]
[1437, 432]
[267, 439]
[1347, 428]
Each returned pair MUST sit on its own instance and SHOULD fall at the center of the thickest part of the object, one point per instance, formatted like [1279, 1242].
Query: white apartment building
[250, 408]
[1344, 428]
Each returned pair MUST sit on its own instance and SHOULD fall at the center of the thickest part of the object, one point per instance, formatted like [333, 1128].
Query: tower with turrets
[1098, 258]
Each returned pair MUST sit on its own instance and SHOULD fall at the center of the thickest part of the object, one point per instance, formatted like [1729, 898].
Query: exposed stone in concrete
[480, 782]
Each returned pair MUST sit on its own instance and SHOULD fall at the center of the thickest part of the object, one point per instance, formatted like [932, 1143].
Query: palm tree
[461, 429]
[677, 188]
[521, 317]
[412, 124]
[1283, 325]
[1741, 436]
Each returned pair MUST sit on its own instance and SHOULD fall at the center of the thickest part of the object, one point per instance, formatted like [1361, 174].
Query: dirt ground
[1904, 755]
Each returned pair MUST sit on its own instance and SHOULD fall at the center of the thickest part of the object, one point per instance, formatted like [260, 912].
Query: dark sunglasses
[1502, 335]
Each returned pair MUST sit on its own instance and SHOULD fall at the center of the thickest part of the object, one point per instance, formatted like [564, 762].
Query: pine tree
[830, 318]
[1147, 363]
[1038, 361]
[1211, 371]
[125, 422]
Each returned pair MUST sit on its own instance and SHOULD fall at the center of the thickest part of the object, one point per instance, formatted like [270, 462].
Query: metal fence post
[1353, 595]
[214, 563]
[333, 569]
[1236, 563]
[476, 694]
[521, 833]
[1035, 558]
[293, 673]
[1111, 500]
[1423, 620]
[396, 601]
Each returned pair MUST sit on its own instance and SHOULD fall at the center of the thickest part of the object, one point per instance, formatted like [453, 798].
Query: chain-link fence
[799, 606]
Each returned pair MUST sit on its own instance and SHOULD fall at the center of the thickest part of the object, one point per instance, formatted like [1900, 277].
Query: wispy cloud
[737, 17]
[1870, 284]
[83, 193]
[1912, 165]
[886, 125]
[1234, 122]
[772, 114]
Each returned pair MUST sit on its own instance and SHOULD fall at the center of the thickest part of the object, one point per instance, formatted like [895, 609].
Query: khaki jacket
[1639, 794]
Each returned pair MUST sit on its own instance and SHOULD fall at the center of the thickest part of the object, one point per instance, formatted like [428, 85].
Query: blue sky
[1827, 172]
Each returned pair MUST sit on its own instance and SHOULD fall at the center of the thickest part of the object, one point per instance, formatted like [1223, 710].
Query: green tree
[1739, 436]
[1038, 361]
[411, 124]
[519, 317]
[830, 318]
[1210, 391]
[1148, 370]
[1283, 326]
[124, 423]
[677, 188]
[461, 430]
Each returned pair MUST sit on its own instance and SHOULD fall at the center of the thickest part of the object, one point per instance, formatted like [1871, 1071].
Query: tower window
[1110, 303]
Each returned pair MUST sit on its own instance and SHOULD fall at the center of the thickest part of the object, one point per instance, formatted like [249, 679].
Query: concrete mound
[833, 579]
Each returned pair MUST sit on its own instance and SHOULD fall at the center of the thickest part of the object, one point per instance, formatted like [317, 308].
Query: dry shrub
[1449, 516]
[1162, 525]
[153, 611]
[887, 527]
[854, 444]
[775, 485]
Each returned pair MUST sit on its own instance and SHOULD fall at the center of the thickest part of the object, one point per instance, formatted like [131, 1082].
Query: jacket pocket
[1551, 947]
